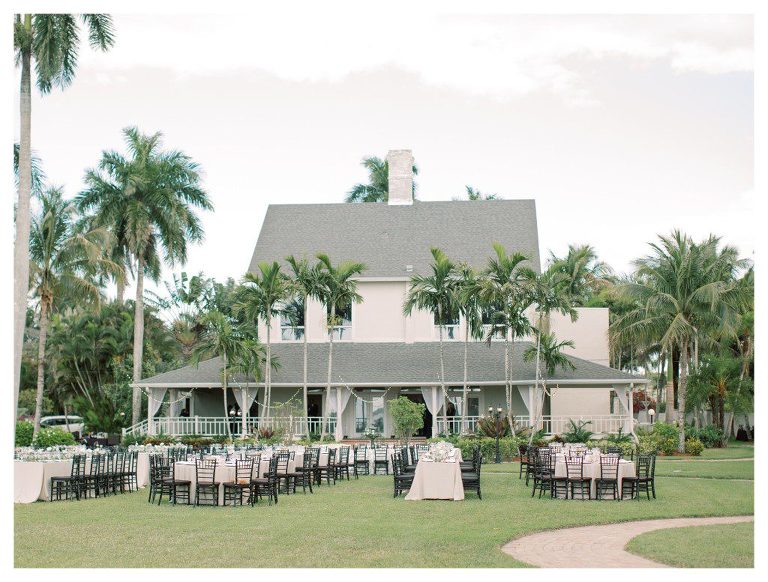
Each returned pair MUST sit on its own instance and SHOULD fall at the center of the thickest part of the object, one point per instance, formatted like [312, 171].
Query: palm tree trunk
[538, 368]
[226, 403]
[138, 339]
[21, 246]
[306, 395]
[464, 392]
[330, 369]
[41, 364]
[681, 392]
[120, 283]
[507, 385]
[268, 371]
[442, 381]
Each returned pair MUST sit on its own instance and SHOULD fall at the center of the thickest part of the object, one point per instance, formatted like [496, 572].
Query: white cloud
[502, 56]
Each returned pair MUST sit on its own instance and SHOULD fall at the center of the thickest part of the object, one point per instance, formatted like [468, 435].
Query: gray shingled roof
[387, 238]
[396, 363]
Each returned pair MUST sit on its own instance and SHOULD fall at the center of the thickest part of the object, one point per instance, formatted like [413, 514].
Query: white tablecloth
[437, 481]
[592, 470]
[32, 479]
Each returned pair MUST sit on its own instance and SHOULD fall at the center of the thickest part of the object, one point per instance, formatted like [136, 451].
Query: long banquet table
[32, 479]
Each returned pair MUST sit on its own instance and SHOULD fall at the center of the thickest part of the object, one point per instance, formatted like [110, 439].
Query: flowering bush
[693, 446]
[50, 437]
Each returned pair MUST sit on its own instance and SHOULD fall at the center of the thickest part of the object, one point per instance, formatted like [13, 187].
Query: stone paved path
[598, 546]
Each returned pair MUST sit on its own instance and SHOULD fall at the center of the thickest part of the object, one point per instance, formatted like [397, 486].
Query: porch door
[426, 431]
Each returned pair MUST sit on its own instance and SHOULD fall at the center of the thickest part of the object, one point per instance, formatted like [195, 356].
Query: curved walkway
[598, 546]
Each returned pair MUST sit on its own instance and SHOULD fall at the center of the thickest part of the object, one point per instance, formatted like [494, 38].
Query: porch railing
[217, 425]
[598, 424]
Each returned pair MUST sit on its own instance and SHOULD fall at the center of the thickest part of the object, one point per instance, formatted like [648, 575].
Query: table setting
[438, 474]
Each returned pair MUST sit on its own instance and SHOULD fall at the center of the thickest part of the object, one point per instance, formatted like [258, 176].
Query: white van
[75, 423]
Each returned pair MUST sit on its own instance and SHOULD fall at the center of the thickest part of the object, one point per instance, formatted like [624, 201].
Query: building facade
[379, 352]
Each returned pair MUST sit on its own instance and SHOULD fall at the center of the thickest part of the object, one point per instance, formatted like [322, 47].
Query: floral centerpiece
[54, 453]
[441, 452]
[371, 434]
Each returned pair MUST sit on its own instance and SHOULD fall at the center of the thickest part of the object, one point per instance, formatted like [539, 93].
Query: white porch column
[436, 414]
[339, 433]
[532, 406]
[629, 427]
[244, 412]
[150, 421]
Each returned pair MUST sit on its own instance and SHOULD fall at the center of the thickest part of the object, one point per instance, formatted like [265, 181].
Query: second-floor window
[450, 326]
[490, 318]
[343, 328]
[292, 320]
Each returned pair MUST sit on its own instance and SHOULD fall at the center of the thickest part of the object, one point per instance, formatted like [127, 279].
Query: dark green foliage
[24, 430]
[578, 433]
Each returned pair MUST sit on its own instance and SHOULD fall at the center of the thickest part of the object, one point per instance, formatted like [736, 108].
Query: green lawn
[734, 450]
[711, 470]
[706, 546]
[354, 524]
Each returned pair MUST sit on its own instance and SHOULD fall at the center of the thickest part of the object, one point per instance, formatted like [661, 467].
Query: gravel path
[598, 546]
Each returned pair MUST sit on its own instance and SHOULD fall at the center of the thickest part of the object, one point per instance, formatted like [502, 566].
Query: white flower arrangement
[56, 453]
[441, 452]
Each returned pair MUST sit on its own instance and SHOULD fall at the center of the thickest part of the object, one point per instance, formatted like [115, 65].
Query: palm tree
[62, 261]
[261, 297]
[147, 202]
[475, 194]
[436, 293]
[470, 307]
[37, 173]
[337, 290]
[549, 292]
[583, 274]
[221, 339]
[377, 188]
[503, 291]
[549, 352]
[306, 284]
[682, 288]
[52, 42]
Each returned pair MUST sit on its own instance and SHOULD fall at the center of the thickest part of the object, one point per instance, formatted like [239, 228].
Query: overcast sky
[620, 127]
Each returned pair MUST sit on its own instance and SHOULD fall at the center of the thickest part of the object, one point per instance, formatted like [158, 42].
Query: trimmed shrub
[693, 446]
[24, 430]
[52, 437]
[132, 439]
[710, 435]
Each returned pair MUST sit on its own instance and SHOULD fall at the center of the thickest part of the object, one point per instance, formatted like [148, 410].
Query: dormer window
[292, 320]
[343, 328]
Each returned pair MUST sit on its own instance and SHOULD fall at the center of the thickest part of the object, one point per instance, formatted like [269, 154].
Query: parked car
[75, 423]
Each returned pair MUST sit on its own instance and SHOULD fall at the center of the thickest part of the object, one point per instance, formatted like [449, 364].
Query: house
[380, 353]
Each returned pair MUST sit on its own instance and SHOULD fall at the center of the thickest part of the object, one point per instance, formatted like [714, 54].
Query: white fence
[606, 424]
[220, 425]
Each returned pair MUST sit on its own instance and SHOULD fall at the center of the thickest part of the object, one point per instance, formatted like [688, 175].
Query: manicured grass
[706, 469]
[352, 524]
[706, 546]
[734, 450]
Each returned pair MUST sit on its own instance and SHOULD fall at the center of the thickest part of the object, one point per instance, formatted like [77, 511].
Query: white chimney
[400, 177]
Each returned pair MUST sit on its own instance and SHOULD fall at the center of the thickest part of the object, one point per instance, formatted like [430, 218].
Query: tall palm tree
[549, 352]
[583, 274]
[51, 41]
[682, 288]
[146, 200]
[436, 293]
[470, 308]
[305, 283]
[549, 292]
[377, 188]
[261, 297]
[503, 290]
[62, 261]
[221, 339]
[337, 290]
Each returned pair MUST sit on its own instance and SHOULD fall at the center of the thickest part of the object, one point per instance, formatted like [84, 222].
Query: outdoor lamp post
[652, 414]
[497, 425]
